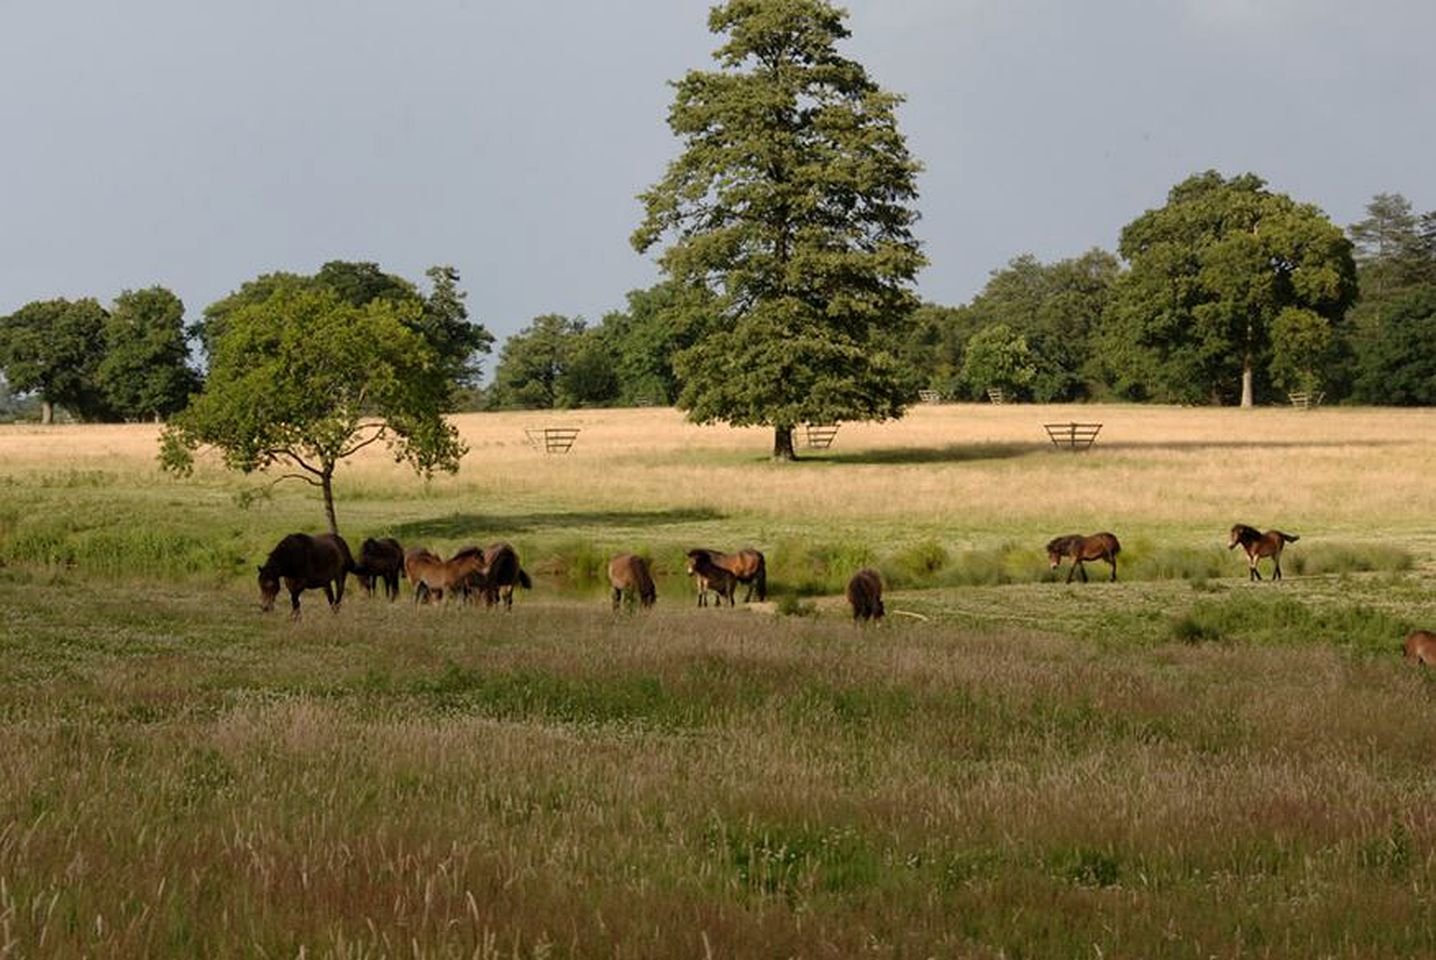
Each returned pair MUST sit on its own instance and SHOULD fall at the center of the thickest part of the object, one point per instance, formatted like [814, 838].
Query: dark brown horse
[320, 562]
[432, 576]
[1258, 545]
[1099, 546]
[747, 566]
[381, 560]
[629, 573]
[499, 575]
[1421, 647]
[720, 580]
[865, 595]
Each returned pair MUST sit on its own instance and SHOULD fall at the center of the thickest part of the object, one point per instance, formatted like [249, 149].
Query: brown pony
[747, 566]
[320, 562]
[381, 560]
[628, 572]
[499, 575]
[1258, 545]
[1421, 647]
[1099, 546]
[865, 595]
[720, 580]
[432, 576]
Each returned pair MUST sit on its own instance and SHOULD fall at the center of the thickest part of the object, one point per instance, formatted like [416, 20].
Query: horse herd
[323, 561]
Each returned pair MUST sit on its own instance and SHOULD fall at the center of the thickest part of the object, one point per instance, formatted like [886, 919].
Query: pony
[500, 573]
[865, 595]
[1258, 545]
[720, 580]
[1420, 647]
[628, 572]
[381, 560]
[1099, 546]
[747, 566]
[432, 576]
[320, 562]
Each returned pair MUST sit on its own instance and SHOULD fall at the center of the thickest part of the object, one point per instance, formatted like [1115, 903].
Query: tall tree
[1399, 367]
[54, 348]
[304, 379]
[145, 371]
[791, 206]
[1210, 272]
[445, 324]
[645, 338]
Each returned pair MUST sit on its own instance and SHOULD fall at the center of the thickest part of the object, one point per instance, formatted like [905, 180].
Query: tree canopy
[790, 211]
[145, 371]
[304, 379]
[1210, 273]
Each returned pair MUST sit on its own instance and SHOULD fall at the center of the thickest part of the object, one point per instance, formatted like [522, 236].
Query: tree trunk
[1247, 380]
[47, 412]
[783, 444]
[326, 483]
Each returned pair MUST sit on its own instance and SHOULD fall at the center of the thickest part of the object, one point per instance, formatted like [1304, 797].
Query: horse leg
[1276, 566]
[617, 598]
[329, 595]
[294, 603]
[1252, 563]
[1082, 567]
[1113, 561]
[508, 598]
[1072, 571]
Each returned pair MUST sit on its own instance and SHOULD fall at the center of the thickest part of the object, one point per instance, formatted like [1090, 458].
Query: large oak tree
[789, 215]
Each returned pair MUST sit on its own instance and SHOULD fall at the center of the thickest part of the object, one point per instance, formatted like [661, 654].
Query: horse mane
[1060, 544]
[1245, 533]
[469, 552]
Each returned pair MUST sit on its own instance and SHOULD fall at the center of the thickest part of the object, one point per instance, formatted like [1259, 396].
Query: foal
[711, 577]
[1099, 546]
[1258, 545]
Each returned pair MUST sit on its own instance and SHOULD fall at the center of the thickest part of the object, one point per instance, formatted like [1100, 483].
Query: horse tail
[524, 580]
[1116, 545]
[761, 581]
[1288, 537]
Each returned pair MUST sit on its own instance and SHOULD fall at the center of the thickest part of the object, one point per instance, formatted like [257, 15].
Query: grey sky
[196, 144]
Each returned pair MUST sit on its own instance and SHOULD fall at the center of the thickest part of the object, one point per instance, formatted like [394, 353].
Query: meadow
[1178, 764]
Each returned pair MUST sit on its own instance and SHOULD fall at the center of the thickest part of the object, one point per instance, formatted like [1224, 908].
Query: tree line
[1229, 291]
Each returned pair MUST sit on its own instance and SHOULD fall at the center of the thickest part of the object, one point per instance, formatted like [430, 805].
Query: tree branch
[379, 435]
[300, 461]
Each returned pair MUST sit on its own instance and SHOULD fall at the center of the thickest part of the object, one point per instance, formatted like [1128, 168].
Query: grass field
[1180, 764]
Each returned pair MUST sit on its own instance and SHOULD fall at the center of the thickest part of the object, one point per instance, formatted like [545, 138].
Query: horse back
[330, 556]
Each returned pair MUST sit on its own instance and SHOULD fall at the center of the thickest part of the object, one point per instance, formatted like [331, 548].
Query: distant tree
[1210, 272]
[998, 356]
[1304, 349]
[790, 206]
[445, 324]
[54, 348]
[145, 371]
[532, 363]
[588, 376]
[1057, 308]
[1399, 367]
[647, 336]
[1393, 249]
[304, 379]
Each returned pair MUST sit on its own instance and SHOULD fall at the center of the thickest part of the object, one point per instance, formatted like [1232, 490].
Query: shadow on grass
[477, 525]
[1247, 444]
[952, 453]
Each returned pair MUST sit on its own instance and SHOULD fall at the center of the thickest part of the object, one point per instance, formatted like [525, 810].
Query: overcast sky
[195, 143]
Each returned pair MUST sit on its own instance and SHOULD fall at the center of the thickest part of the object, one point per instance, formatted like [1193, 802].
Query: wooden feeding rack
[551, 439]
[996, 395]
[1072, 436]
[1305, 401]
[820, 436]
[929, 396]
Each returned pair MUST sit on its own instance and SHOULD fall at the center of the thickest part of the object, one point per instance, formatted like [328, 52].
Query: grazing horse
[865, 595]
[747, 566]
[320, 562]
[501, 572]
[1258, 545]
[1421, 647]
[380, 560]
[629, 573]
[432, 576]
[1099, 546]
[720, 580]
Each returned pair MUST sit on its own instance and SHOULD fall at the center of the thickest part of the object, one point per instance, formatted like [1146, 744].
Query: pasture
[1181, 763]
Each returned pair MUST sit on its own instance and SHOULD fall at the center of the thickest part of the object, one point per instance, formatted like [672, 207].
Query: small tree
[998, 357]
[305, 379]
[1303, 347]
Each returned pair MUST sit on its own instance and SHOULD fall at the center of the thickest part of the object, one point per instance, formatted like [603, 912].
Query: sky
[196, 144]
